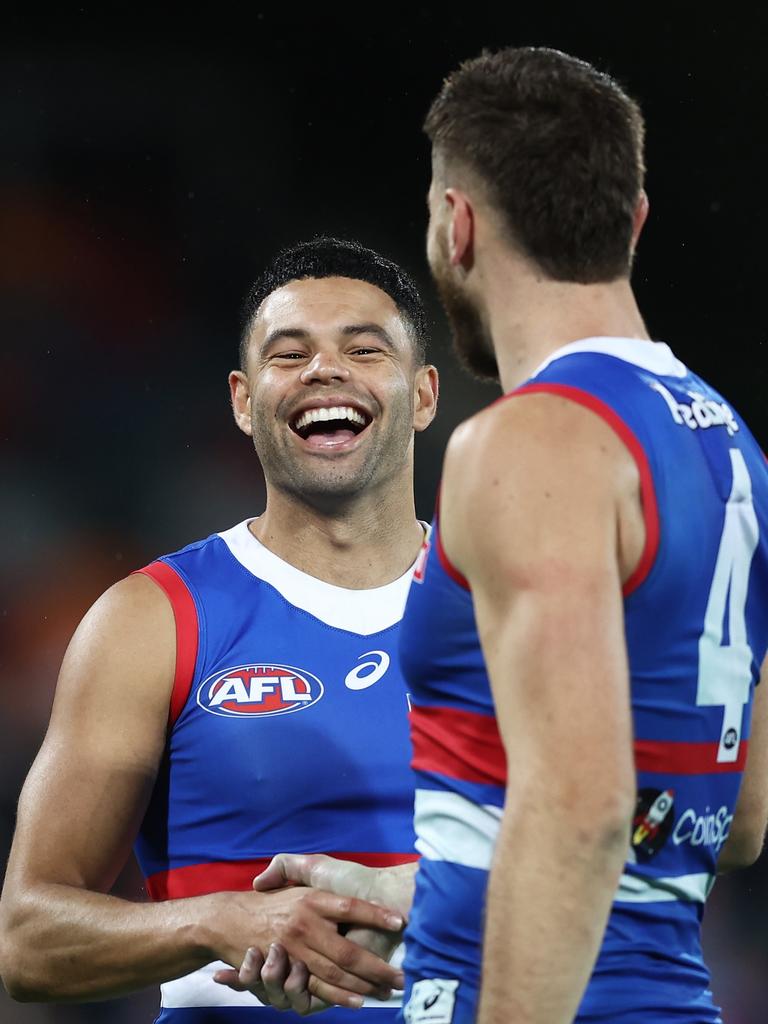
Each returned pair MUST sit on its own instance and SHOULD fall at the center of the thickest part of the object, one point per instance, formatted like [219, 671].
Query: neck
[366, 543]
[529, 317]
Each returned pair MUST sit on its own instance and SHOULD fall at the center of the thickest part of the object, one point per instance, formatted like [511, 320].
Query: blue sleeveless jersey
[288, 732]
[696, 621]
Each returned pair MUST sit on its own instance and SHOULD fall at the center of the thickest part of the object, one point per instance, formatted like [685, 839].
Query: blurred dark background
[149, 168]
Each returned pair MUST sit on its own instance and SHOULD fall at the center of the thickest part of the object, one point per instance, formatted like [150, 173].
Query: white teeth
[336, 412]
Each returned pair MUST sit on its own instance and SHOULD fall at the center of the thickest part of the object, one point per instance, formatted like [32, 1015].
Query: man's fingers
[333, 996]
[334, 959]
[249, 974]
[285, 869]
[296, 989]
[274, 973]
[285, 985]
[230, 978]
[345, 965]
[348, 910]
[247, 979]
[324, 994]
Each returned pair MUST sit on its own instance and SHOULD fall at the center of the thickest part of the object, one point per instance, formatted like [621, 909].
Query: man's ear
[461, 228]
[426, 391]
[241, 400]
[641, 214]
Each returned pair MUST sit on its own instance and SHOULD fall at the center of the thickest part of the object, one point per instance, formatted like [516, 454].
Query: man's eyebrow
[350, 330]
[370, 328]
[283, 332]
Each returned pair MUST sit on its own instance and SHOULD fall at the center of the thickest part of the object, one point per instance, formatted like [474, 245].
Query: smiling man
[242, 696]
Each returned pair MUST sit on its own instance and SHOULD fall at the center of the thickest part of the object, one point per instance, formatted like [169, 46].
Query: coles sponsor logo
[252, 691]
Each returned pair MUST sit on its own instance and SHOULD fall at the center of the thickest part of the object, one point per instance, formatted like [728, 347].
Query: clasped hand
[310, 965]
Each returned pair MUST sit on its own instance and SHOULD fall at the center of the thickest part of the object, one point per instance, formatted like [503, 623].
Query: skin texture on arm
[747, 831]
[62, 937]
[533, 515]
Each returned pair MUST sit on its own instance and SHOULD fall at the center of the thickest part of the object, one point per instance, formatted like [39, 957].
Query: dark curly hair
[335, 257]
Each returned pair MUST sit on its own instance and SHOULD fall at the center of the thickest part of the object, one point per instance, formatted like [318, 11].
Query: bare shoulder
[531, 462]
[129, 632]
[114, 687]
[89, 785]
[514, 433]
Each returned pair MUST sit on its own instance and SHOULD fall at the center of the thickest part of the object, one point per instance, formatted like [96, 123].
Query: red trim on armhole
[445, 561]
[636, 450]
[185, 615]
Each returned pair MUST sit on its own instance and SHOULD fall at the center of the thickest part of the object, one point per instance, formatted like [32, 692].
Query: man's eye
[288, 355]
[365, 351]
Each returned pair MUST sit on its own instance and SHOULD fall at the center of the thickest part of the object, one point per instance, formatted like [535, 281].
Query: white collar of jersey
[356, 611]
[654, 356]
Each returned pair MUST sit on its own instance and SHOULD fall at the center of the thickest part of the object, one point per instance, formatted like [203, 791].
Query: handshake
[328, 929]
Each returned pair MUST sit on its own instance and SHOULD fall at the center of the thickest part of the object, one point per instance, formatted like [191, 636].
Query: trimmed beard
[472, 343]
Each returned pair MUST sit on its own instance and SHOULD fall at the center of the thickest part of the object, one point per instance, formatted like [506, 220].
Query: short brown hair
[559, 146]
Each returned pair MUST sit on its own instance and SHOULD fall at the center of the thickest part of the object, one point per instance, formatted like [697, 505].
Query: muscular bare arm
[62, 937]
[747, 832]
[531, 515]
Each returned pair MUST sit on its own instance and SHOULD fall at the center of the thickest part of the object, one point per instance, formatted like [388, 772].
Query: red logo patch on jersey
[249, 691]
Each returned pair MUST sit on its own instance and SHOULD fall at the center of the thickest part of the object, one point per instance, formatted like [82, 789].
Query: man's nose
[324, 368]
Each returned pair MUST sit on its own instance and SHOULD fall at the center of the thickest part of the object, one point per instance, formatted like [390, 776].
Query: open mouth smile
[330, 427]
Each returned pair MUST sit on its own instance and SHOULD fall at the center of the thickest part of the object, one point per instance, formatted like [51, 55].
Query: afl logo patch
[252, 691]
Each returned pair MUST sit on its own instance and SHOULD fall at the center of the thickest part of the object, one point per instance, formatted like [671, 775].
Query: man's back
[696, 620]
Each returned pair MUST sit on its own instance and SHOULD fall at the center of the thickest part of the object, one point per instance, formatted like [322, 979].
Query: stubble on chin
[333, 484]
[317, 482]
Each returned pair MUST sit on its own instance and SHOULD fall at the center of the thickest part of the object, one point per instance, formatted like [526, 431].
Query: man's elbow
[613, 821]
[12, 973]
[602, 817]
[20, 962]
[17, 990]
[597, 818]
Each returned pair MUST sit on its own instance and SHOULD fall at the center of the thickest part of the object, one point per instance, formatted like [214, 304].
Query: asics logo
[370, 672]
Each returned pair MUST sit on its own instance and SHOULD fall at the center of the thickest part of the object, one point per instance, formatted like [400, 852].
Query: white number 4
[725, 671]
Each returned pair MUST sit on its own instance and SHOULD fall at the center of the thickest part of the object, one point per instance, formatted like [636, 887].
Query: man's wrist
[199, 929]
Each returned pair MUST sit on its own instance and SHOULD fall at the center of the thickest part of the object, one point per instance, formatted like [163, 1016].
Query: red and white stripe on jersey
[466, 745]
[452, 828]
[460, 744]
